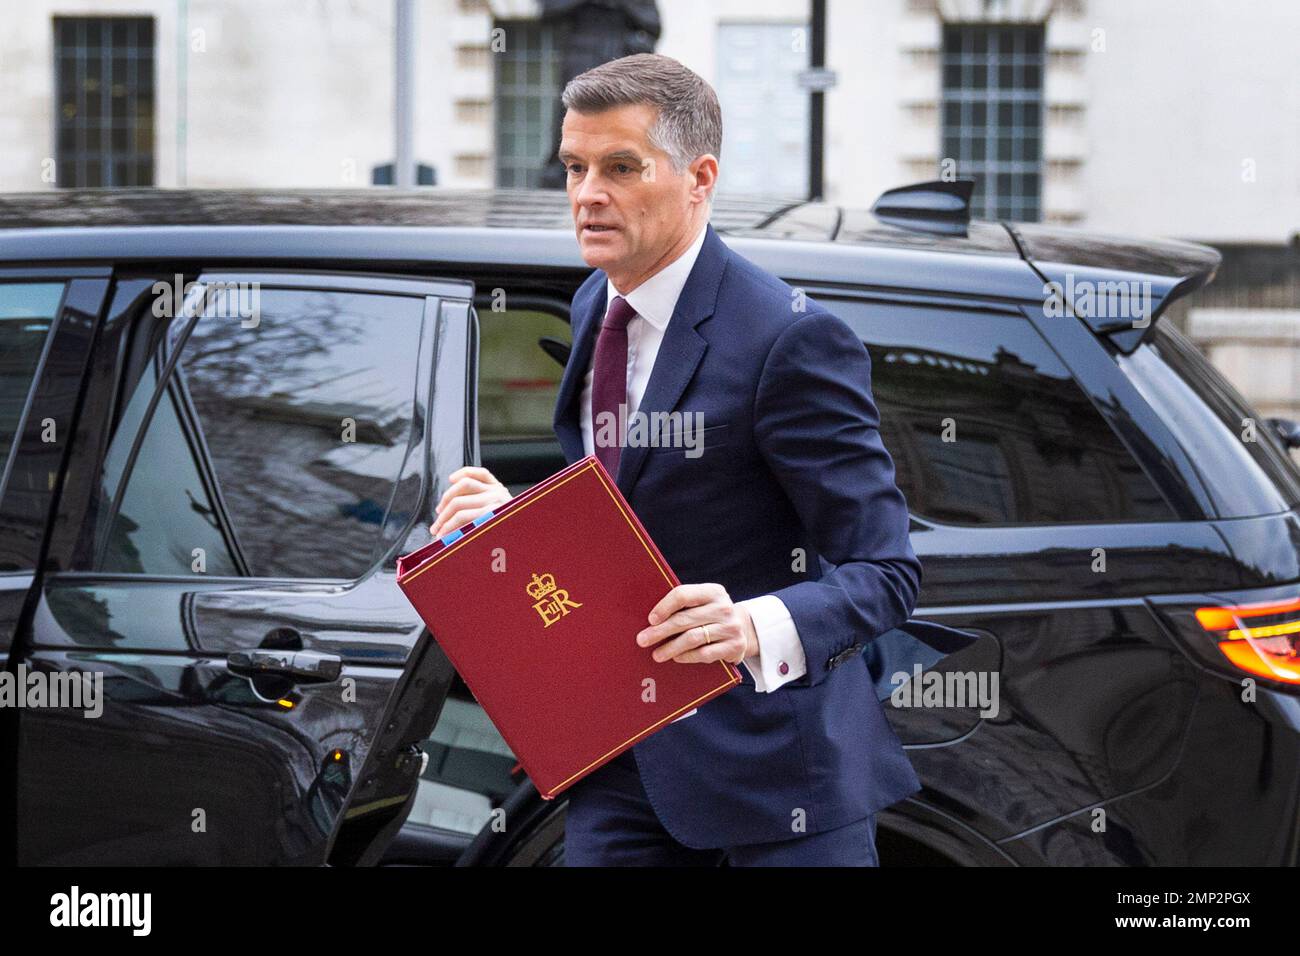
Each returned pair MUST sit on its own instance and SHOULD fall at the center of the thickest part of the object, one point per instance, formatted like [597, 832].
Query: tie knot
[619, 315]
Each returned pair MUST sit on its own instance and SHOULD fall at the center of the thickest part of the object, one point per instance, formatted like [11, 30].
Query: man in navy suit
[781, 509]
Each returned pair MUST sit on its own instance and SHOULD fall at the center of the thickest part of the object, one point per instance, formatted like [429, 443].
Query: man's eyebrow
[625, 154]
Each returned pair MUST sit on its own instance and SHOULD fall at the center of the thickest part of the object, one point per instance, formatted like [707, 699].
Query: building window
[104, 77]
[528, 87]
[764, 111]
[993, 115]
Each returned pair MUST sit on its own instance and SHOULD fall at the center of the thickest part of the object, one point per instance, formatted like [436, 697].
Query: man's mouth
[597, 228]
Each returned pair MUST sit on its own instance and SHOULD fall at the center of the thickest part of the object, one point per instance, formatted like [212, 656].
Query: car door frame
[55, 388]
[422, 844]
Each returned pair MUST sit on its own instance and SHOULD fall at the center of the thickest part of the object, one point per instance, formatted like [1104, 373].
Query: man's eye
[623, 168]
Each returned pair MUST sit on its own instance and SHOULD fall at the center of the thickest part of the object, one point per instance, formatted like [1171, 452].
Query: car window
[284, 447]
[167, 511]
[518, 384]
[1244, 467]
[27, 311]
[987, 426]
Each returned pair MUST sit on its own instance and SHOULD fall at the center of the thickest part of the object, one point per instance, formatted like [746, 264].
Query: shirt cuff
[780, 658]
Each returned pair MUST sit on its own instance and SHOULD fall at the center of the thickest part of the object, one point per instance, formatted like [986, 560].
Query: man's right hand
[472, 492]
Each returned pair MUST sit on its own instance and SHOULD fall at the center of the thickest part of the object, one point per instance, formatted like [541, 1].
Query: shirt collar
[655, 299]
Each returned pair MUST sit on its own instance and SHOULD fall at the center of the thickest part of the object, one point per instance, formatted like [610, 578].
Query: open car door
[252, 453]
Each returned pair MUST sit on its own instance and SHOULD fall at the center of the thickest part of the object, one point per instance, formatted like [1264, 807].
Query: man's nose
[591, 191]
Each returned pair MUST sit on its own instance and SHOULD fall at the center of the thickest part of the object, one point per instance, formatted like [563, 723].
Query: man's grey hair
[690, 119]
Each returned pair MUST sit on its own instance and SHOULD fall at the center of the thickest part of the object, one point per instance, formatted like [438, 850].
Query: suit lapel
[584, 319]
[680, 352]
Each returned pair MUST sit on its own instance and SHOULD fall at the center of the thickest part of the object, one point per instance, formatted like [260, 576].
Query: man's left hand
[679, 619]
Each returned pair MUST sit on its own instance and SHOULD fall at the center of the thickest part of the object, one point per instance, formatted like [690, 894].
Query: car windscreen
[1241, 460]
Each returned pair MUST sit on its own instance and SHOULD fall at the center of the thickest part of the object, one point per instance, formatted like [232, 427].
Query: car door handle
[305, 667]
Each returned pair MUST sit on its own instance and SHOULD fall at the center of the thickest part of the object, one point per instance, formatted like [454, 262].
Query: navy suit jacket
[792, 465]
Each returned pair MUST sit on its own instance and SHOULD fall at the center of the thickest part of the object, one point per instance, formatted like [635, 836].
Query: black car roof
[451, 208]
[815, 241]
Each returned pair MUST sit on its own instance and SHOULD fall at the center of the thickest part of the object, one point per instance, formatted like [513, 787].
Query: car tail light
[1262, 639]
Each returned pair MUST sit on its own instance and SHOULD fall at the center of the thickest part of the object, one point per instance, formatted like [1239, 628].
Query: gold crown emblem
[541, 586]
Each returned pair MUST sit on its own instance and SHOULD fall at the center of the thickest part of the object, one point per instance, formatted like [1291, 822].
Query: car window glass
[986, 425]
[166, 520]
[287, 446]
[27, 311]
[119, 451]
[1212, 422]
[518, 384]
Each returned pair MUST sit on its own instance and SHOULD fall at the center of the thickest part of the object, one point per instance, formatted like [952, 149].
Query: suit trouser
[610, 822]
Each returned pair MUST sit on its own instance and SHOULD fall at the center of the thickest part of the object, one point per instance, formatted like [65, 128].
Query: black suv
[223, 415]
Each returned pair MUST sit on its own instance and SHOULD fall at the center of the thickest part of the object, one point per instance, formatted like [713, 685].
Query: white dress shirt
[781, 656]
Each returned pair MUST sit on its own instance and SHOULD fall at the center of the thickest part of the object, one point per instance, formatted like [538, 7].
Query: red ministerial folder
[538, 607]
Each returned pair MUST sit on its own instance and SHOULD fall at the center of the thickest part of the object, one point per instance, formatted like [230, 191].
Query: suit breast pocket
[715, 448]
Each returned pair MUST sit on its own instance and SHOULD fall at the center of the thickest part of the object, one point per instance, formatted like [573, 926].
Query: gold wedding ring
[707, 639]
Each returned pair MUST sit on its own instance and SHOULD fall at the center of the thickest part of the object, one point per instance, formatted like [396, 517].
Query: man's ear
[704, 176]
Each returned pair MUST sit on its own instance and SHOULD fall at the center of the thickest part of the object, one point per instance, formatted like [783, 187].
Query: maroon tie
[609, 378]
